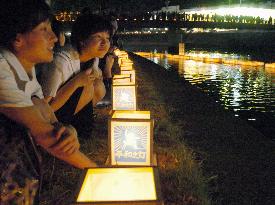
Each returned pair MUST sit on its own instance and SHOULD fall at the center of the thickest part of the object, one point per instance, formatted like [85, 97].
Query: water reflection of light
[236, 97]
[197, 72]
[251, 119]
[155, 60]
[238, 88]
[206, 54]
[165, 63]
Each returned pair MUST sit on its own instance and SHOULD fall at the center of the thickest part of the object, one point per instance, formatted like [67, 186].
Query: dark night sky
[139, 5]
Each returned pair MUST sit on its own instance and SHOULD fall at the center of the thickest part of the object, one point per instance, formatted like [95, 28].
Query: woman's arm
[64, 93]
[45, 110]
[44, 135]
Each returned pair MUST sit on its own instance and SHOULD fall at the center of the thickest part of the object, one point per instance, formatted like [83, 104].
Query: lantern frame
[132, 74]
[126, 68]
[149, 160]
[127, 86]
[158, 201]
[124, 79]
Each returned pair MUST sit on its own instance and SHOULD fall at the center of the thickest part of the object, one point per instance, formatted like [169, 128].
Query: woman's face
[37, 45]
[97, 45]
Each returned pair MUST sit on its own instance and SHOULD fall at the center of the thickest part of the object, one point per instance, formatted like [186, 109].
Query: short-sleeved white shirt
[66, 63]
[16, 88]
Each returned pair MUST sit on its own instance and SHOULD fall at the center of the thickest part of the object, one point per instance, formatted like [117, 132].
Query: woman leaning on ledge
[26, 38]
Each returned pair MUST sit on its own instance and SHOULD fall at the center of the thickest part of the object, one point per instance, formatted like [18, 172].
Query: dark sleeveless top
[83, 120]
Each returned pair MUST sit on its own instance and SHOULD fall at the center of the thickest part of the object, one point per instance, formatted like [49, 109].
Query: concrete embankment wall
[236, 158]
[259, 44]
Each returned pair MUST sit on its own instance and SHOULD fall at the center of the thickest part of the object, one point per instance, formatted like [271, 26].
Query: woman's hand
[67, 141]
[84, 78]
[97, 73]
[108, 66]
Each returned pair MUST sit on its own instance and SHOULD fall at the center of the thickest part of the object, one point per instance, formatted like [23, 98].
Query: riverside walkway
[193, 136]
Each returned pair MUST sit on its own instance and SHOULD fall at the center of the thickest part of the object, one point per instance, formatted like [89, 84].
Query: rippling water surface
[248, 91]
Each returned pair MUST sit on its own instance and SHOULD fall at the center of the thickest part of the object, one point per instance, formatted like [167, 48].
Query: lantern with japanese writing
[124, 93]
[130, 138]
[119, 185]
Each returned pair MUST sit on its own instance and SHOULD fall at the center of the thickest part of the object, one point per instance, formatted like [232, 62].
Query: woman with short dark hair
[71, 89]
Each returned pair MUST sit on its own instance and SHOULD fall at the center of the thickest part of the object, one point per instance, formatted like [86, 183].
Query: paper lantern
[126, 62]
[130, 138]
[132, 74]
[126, 67]
[124, 79]
[123, 63]
[122, 58]
[118, 52]
[124, 92]
[124, 97]
[120, 185]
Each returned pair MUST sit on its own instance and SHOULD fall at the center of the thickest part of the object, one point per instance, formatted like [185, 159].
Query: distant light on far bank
[251, 119]
[68, 33]
[235, 11]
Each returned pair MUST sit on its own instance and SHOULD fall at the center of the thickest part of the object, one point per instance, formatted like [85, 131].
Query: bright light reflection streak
[245, 88]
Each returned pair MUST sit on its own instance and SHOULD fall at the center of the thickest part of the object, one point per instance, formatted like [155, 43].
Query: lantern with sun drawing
[124, 93]
[130, 138]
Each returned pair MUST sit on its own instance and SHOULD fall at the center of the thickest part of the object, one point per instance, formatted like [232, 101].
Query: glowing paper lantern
[270, 65]
[124, 97]
[124, 79]
[127, 63]
[118, 52]
[131, 138]
[270, 70]
[132, 74]
[122, 53]
[126, 67]
[121, 185]
[124, 92]
[122, 57]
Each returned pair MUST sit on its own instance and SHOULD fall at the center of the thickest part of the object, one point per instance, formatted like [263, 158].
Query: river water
[248, 91]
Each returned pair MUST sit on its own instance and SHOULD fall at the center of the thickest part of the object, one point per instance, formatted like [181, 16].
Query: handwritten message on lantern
[131, 142]
[124, 97]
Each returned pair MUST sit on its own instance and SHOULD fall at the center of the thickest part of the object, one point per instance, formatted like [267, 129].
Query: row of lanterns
[131, 174]
[209, 59]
